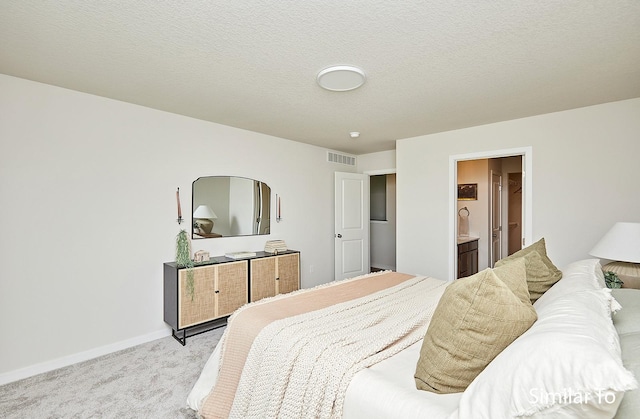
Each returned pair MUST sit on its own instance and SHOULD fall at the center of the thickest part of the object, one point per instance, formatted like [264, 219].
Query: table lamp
[621, 245]
[203, 218]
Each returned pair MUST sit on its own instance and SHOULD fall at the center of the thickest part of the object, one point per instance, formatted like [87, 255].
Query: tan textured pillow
[476, 318]
[541, 272]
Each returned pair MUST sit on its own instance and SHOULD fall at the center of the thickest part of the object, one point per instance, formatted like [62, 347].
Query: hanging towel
[463, 222]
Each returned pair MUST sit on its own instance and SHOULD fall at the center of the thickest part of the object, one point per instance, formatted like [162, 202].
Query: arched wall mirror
[229, 206]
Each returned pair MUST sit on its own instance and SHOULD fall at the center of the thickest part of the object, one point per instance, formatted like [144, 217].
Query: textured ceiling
[431, 65]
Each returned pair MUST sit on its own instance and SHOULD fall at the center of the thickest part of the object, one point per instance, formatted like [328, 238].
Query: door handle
[338, 235]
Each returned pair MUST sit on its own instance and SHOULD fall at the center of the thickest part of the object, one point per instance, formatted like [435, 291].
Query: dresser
[202, 298]
[274, 275]
[467, 256]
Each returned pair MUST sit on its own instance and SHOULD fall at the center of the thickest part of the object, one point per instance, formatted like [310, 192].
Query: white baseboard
[65, 361]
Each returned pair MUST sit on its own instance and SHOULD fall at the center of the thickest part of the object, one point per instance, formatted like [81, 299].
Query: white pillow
[567, 364]
[578, 276]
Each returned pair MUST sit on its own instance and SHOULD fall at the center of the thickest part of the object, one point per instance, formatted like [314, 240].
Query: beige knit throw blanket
[301, 366]
[247, 322]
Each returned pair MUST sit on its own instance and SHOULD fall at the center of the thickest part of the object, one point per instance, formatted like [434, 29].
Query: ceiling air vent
[340, 158]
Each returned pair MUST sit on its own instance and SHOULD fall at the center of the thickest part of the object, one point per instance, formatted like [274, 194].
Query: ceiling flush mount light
[354, 134]
[341, 78]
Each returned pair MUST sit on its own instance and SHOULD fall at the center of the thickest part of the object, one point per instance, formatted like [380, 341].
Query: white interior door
[351, 225]
[496, 218]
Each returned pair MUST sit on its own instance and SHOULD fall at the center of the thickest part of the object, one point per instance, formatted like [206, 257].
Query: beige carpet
[147, 381]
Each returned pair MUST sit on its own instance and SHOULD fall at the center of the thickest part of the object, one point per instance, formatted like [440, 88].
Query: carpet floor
[151, 380]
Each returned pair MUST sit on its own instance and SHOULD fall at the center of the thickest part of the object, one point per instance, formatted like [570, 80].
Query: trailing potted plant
[612, 280]
[183, 259]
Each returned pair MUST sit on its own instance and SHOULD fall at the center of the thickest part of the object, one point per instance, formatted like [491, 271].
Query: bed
[363, 347]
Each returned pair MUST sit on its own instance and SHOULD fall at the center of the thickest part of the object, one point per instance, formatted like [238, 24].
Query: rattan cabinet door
[231, 290]
[288, 273]
[199, 306]
[263, 278]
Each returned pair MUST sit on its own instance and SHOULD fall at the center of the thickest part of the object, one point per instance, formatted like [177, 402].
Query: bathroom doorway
[513, 225]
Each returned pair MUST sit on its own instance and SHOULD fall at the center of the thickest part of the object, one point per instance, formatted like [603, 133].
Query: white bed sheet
[386, 390]
[206, 381]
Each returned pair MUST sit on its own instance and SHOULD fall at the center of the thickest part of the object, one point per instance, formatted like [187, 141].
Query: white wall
[377, 163]
[88, 211]
[241, 215]
[584, 179]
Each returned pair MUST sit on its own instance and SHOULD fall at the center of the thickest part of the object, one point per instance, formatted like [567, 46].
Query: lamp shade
[621, 243]
[203, 211]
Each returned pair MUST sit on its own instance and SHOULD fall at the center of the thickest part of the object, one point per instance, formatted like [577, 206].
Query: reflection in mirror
[228, 206]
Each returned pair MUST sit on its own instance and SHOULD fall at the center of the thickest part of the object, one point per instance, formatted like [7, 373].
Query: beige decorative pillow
[476, 318]
[541, 272]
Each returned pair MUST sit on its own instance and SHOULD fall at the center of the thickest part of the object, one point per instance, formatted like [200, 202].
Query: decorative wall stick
[278, 209]
[179, 220]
